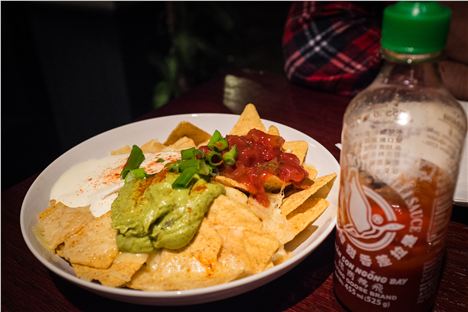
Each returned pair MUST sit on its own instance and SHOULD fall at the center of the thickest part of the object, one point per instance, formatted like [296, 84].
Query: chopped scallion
[214, 158]
[230, 156]
[189, 163]
[191, 153]
[133, 162]
[183, 180]
[214, 138]
[138, 173]
[221, 145]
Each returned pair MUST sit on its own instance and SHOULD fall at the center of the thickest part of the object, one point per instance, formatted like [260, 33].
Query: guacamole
[149, 214]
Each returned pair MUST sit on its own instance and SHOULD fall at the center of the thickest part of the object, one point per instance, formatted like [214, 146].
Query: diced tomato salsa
[259, 155]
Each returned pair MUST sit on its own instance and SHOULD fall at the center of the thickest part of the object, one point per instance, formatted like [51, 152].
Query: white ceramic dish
[37, 198]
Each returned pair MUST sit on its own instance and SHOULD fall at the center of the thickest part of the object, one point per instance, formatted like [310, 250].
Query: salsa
[260, 156]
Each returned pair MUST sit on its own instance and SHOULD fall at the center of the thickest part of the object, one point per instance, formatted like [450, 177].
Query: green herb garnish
[197, 163]
[133, 162]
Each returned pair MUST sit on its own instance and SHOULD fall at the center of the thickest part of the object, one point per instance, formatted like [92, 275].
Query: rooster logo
[368, 229]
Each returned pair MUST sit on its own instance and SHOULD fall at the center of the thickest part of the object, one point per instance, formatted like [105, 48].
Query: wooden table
[29, 286]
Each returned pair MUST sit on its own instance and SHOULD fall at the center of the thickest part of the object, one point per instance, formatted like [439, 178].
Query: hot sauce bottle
[402, 140]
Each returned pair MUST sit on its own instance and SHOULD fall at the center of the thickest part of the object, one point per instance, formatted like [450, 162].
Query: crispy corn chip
[280, 256]
[298, 148]
[262, 212]
[234, 250]
[307, 213]
[191, 267]
[236, 195]
[249, 119]
[180, 144]
[119, 273]
[58, 222]
[123, 150]
[186, 129]
[243, 234]
[274, 184]
[94, 245]
[312, 171]
[152, 146]
[273, 130]
[273, 221]
[231, 183]
[300, 238]
[260, 248]
[203, 143]
[227, 212]
[295, 200]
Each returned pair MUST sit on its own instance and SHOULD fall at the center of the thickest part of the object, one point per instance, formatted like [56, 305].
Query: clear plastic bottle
[402, 141]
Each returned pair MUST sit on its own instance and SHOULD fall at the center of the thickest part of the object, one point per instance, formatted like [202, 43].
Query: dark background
[72, 70]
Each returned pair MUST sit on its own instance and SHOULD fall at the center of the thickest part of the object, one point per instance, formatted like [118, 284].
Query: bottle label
[395, 202]
[370, 228]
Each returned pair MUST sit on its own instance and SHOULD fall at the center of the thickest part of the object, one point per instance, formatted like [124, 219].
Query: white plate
[159, 128]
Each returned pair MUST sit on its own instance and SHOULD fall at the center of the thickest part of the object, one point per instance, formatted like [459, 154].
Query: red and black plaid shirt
[333, 46]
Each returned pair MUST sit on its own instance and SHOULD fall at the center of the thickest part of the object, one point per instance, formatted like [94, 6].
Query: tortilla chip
[120, 272]
[243, 235]
[260, 248]
[298, 148]
[58, 222]
[123, 150]
[273, 130]
[274, 184]
[186, 129]
[190, 267]
[180, 144]
[231, 183]
[203, 143]
[273, 221]
[152, 146]
[249, 119]
[300, 238]
[236, 195]
[94, 245]
[227, 212]
[312, 171]
[307, 213]
[262, 212]
[280, 256]
[293, 201]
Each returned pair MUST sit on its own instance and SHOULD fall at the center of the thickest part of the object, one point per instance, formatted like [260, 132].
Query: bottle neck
[410, 71]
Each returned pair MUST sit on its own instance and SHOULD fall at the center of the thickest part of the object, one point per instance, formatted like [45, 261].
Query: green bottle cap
[415, 27]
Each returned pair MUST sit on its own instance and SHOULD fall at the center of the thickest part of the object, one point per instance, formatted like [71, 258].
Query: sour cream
[95, 182]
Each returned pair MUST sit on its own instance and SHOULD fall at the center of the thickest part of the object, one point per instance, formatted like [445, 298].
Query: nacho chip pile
[237, 238]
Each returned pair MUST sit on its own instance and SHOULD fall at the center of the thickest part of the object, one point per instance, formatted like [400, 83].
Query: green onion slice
[133, 174]
[214, 158]
[191, 153]
[183, 180]
[189, 163]
[205, 169]
[214, 138]
[221, 145]
[133, 162]
[230, 156]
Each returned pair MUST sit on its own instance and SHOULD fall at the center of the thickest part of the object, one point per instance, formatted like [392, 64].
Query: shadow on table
[277, 295]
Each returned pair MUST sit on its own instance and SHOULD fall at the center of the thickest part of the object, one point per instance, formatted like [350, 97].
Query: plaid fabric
[333, 46]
